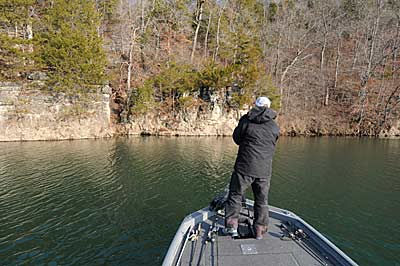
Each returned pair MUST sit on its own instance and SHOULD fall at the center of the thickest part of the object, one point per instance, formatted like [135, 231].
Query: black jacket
[256, 134]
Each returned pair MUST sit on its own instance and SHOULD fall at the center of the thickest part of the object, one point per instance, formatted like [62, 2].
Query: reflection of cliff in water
[120, 201]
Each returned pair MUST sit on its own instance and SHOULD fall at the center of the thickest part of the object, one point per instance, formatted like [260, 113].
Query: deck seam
[295, 259]
[240, 255]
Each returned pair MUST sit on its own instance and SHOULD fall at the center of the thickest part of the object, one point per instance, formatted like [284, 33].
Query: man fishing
[256, 134]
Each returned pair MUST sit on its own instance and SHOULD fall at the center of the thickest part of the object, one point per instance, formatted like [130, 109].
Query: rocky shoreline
[28, 114]
[86, 129]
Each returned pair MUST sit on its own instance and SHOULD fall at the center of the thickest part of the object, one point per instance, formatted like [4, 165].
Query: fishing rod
[299, 236]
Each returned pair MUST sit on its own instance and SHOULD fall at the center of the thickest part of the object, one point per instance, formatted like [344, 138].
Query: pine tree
[14, 39]
[71, 48]
[106, 8]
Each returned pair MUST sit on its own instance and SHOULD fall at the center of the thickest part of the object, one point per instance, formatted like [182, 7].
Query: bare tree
[199, 15]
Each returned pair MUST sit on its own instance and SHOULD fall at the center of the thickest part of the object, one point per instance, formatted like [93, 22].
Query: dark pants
[239, 184]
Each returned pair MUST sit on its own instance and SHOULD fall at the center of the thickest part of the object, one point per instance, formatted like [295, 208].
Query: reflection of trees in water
[187, 154]
[134, 192]
[179, 150]
[45, 159]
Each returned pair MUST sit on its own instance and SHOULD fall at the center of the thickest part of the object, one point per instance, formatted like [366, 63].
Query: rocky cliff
[216, 120]
[27, 113]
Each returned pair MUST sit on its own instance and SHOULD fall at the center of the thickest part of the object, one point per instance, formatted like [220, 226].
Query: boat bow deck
[199, 242]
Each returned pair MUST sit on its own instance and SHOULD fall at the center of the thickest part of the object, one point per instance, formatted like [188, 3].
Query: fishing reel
[290, 232]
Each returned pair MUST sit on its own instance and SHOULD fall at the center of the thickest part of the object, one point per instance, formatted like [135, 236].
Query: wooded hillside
[329, 64]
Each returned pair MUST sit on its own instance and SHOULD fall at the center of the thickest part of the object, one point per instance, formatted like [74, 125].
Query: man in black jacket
[256, 134]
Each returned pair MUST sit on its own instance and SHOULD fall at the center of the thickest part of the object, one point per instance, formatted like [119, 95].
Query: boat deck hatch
[248, 249]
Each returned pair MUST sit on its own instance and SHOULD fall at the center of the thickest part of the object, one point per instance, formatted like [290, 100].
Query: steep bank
[325, 125]
[215, 121]
[213, 113]
[218, 120]
[31, 114]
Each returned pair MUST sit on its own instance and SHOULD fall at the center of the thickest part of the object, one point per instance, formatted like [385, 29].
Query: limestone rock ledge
[29, 114]
[394, 131]
[216, 121]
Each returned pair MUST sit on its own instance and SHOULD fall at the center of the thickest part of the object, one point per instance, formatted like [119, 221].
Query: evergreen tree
[14, 40]
[71, 48]
[106, 8]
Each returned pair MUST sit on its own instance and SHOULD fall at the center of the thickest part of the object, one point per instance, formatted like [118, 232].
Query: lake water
[120, 201]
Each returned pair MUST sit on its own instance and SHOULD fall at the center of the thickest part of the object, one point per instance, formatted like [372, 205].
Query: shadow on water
[120, 201]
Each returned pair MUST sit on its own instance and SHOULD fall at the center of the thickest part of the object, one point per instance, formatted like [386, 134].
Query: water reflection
[119, 201]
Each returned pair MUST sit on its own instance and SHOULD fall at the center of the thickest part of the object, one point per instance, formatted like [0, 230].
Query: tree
[335, 58]
[70, 47]
[15, 38]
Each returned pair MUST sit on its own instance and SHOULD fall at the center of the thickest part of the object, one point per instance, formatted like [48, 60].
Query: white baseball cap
[263, 101]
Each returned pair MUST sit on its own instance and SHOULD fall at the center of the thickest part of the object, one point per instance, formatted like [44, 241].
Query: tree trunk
[394, 53]
[157, 44]
[339, 43]
[277, 58]
[198, 23]
[218, 30]
[142, 15]
[206, 38]
[129, 74]
[355, 54]
[326, 103]
[169, 42]
[386, 110]
[321, 67]
[29, 36]
[366, 75]
[294, 60]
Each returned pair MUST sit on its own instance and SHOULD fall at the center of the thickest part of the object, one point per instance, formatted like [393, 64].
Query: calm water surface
[120, 201]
